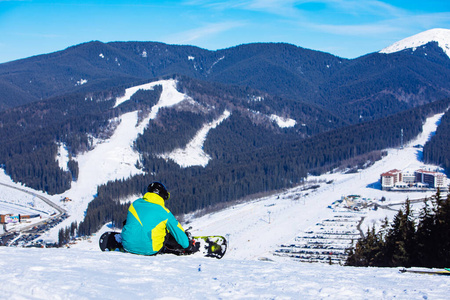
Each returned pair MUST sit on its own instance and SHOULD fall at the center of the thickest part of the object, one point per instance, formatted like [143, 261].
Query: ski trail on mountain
[115, 157]
[255, 229]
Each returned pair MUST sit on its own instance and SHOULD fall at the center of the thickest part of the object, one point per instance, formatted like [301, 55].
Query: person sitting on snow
[151, 228]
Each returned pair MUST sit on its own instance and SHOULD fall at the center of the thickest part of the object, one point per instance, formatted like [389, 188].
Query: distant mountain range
[289, 112]
[365, 88]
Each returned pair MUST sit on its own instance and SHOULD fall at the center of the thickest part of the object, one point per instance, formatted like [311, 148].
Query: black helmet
[159, 189]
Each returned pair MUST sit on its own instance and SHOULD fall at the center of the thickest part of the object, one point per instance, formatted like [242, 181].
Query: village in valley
[26, 216]
[329, 240]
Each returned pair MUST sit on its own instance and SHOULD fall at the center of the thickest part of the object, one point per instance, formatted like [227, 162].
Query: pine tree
[443, 229]
[426, 236]
[400, 240]
[368, 250]
[403, 245]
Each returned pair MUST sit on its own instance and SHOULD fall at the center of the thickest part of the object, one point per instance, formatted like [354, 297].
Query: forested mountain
[31, 133]
[365, 88]
[240, 171]
[343, 113]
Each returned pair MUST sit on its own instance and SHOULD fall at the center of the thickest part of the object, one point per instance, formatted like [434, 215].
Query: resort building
[419, 179]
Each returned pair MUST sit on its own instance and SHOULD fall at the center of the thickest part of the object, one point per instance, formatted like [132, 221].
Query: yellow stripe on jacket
[132, 210]
[158, 235]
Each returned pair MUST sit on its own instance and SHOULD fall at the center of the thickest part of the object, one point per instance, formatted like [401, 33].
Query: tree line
[65, 235]
[437, 149]
[406, 241]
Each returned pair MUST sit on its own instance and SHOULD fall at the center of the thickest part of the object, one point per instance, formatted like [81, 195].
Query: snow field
[18, 202]
[80, 274]
[193, 154]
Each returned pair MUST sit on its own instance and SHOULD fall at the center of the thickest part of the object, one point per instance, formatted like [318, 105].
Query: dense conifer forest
[242, 169]
[437, 150]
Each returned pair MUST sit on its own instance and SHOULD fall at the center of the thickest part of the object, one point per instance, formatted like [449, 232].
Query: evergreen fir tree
[400, 238]
[403, 244]
[443, 229]
[426, 236]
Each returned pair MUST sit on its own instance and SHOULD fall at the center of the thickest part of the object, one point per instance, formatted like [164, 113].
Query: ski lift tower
[401, 138]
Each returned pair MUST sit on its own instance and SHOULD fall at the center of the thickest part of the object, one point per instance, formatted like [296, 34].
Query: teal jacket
[148, 222]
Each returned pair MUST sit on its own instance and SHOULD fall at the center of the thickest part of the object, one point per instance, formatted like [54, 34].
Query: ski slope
[81, 274]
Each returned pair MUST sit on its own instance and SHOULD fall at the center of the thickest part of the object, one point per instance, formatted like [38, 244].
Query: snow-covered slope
[441, 36]
[111, 159]
[193, 154]
[256, 229]
[80, 274]
[115, 157]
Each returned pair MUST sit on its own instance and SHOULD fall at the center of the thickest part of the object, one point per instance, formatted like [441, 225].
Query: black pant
[171, 246]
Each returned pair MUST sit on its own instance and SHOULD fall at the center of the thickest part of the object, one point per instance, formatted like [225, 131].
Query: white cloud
[277, 7]
[355, 30]
[405, 23]
[294, 7]
[361, 7]
[206, 31]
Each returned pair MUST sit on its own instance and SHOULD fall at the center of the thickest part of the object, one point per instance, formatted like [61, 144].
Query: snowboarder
[151, 228]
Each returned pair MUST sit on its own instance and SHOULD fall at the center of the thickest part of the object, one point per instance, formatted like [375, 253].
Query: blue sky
[346, 28]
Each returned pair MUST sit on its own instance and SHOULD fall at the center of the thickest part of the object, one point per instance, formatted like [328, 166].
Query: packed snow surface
[193, 154]
[62, 157]
[441, 36]
[81, 81]
[14, 201]
[283, 122]
[82, 274]
[169, 97]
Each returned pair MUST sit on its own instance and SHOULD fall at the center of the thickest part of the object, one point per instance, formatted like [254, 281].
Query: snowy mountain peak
[439, 35]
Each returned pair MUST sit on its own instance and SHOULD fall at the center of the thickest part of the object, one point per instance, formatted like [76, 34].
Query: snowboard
[211, 245]
[208, 246]
[446, 271]
[111, 241]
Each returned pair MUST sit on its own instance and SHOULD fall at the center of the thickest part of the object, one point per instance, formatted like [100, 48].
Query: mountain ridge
[350, 88]
[439, 35]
